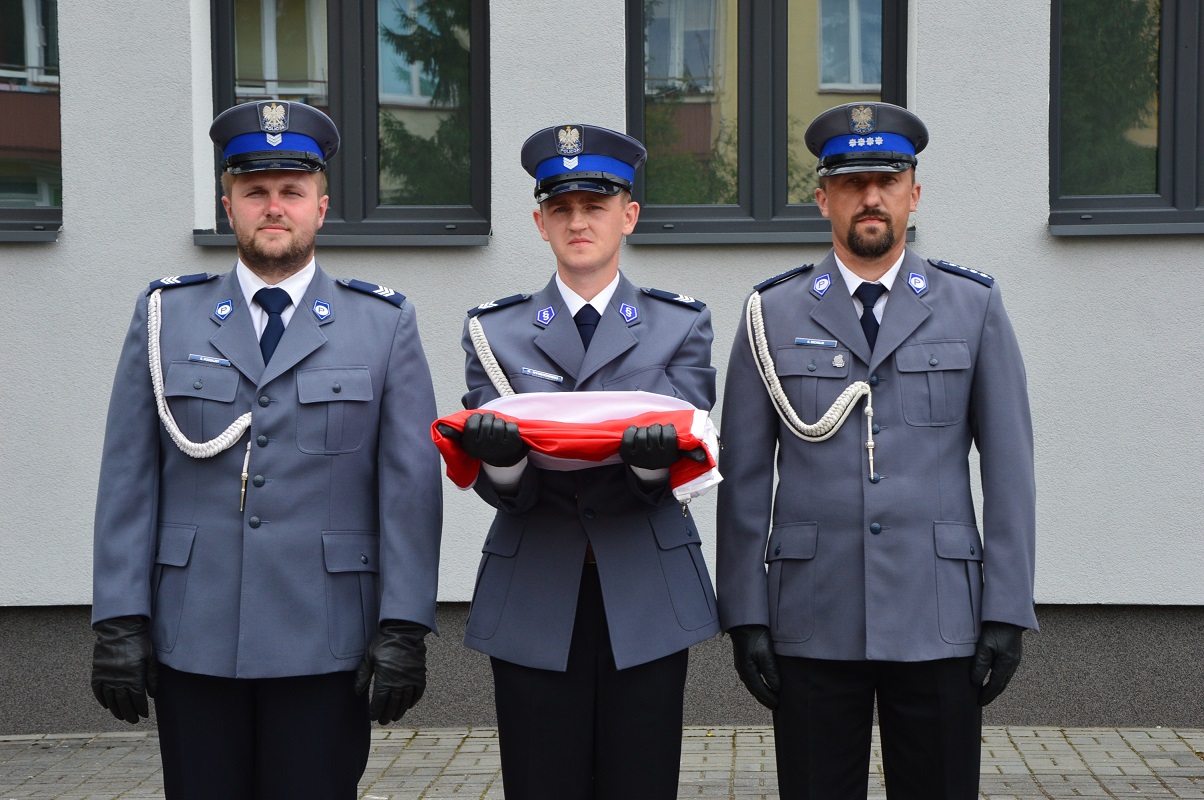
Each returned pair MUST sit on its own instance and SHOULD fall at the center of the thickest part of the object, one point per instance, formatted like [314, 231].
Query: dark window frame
[32, 224]
[355, 219]
[1178, 207]
[762, 214]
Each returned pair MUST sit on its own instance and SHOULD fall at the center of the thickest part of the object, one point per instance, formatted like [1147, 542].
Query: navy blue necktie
[587, 320]
[273, 301]
[868, 294]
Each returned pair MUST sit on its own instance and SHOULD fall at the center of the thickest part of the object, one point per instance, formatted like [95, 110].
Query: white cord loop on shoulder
[832, 420]
[485, 353]
[154, 324]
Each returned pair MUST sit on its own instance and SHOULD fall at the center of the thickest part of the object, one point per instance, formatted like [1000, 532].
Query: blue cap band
[556, 166]
[255, 142]
[870, 143]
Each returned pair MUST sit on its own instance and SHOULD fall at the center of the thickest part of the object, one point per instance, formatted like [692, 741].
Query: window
[1127, 118]
[405, 81]
[721, 92]
[31, 180]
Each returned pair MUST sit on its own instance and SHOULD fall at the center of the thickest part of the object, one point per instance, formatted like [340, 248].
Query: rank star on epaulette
[965, 272]
[674, 297]
[383, 292]
[496, 304]
[765, 284]
[179, 280]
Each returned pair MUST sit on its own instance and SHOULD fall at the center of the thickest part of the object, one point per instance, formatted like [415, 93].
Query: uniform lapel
[835, 311]
[303, 334]
[559, 339]
[905, 308]
[235, 336]
[612, 337]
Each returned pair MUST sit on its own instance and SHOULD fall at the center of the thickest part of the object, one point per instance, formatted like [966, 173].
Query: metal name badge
[547, 376]
[815, 342]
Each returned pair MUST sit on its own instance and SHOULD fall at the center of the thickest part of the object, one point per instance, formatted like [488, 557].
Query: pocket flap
[792, 540]
[671, 528]
[932, 356]
[175, 544]
[816, 362]
[351, 551]
[504, 536]
[329, 384]
[957, 540]
[200, 380]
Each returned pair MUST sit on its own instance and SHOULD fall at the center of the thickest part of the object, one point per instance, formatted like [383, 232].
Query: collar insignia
[917, 283]
[545, 315]
[223, 309]
[629, 312]
[822, 284]
[321, 309]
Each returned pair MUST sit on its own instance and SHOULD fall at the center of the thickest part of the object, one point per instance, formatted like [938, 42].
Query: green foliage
[432, 170]
[1109, 86]
[676, 177]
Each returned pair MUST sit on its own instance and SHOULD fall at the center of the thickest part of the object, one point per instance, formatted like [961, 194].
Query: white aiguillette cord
[222, 442]
[837, 413]
[485, 353]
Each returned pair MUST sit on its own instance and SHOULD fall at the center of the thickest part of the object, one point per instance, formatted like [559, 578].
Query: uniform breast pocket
[934, 381]
[332, 409]
[646, 379]
[201, 398]
[812, 377]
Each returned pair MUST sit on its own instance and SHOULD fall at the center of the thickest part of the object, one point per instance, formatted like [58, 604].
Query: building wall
[1108, 361]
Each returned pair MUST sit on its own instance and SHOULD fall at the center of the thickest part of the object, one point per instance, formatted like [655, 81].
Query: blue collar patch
[223, 309]
[822, 284]
[322, 310]
[544, 316]
[918, 283]
[629, 312]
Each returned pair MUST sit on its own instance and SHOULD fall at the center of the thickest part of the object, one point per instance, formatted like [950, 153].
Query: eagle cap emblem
[861, 119]
[273, 117]
[570, 140]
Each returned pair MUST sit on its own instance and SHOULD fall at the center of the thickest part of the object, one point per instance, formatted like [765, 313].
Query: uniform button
[777, 551]
[588, 513]
[932, 362]
[363, 558]
[264, 401]
[258, 480]
[877, 428]
[875, 478]
[971, 550]
[261, 440]
[197, 385]
[873, 380]
[810, 368]
[875, 528]
[254, 522]
[338, 387]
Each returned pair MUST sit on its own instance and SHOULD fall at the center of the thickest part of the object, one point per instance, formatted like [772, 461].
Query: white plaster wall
[1118, 494]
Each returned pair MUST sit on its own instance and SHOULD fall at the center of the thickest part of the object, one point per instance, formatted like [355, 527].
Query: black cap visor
[273, 159]
[598, 182]
[843, 163]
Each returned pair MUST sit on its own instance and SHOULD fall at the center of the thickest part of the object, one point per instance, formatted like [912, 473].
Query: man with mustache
[864, 578]
[269, 513]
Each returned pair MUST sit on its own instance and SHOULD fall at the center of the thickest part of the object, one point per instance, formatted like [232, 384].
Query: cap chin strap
[497, 377]
[832, 420]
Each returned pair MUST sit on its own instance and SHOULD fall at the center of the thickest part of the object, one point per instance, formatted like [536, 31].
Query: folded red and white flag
[576, 430]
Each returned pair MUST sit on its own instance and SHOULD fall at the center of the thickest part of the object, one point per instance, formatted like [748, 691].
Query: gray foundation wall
[1089, 666]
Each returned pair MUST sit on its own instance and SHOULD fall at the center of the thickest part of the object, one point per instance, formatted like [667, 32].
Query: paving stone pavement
[1018, 763]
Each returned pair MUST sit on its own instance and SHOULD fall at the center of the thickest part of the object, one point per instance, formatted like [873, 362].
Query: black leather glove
[495, 441]
[124, 669]
[397, 660]
[756, 664]
[654, 447]
[998, 652]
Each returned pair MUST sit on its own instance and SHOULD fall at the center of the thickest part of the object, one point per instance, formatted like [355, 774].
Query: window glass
[280, 51]
[30, 149]
[424, 126]
[1109, 97]
[850, 36]
[690, 101]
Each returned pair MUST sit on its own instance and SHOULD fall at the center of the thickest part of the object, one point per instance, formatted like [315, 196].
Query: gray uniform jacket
[343, 505]
[895, 570]
[655, 585]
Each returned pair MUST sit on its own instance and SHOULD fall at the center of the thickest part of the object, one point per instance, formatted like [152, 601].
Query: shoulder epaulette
[958, 269]
[376, 290]
[673, 297]
[784, 276]
[173, 281]
[496, 304]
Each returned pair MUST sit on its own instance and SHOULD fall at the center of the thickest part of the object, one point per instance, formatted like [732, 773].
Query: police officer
[592, 584]
[268, 521]
[870, 375]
